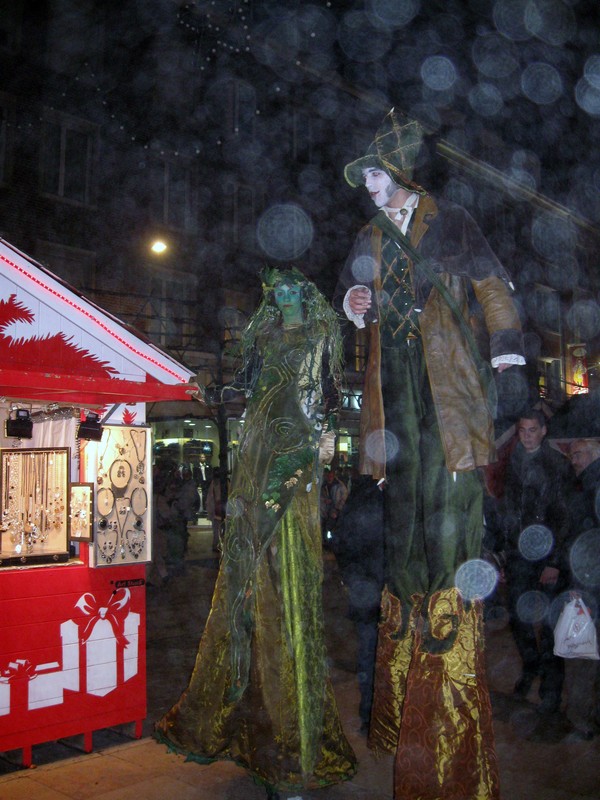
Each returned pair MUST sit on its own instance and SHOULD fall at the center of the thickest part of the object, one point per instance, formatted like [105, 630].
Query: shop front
[76, 508]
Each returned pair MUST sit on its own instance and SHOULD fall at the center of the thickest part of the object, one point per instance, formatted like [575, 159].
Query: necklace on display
[139, 501]
[122, 505]
[107, 539]
[120, 475]
[56, 491]
[136, 539]
[138, 437]
[101, 476]
[123, 446]
[105, 501]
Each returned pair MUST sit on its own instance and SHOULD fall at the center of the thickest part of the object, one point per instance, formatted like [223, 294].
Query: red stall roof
[58, 346]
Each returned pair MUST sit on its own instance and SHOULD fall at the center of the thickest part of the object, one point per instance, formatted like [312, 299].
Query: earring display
[35, 506]
[122, 513]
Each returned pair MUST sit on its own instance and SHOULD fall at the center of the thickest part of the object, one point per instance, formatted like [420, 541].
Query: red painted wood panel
[72, 652]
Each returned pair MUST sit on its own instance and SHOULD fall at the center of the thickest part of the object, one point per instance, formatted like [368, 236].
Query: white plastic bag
[575, 632]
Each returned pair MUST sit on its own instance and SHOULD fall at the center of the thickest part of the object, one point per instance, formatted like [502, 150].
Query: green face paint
[289, 301]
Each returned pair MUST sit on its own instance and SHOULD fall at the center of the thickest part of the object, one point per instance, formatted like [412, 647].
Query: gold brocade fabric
[394, 653]
[446, 744]
[280, 721]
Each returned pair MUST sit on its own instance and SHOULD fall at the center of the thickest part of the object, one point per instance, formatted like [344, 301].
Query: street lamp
[158, 246]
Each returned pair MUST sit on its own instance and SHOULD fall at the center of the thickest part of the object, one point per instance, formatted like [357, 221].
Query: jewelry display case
[120, 462]
[34, 522]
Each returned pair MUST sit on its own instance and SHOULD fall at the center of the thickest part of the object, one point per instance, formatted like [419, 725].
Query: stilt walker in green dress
[260, 692]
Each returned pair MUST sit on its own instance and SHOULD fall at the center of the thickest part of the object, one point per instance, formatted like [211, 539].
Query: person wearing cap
[412, 278]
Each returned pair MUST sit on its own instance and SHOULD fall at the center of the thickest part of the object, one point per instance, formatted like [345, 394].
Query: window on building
[357, 349]
[551, 380]
[68, 148]
[544, 309]
[172, 198]
[170, 313]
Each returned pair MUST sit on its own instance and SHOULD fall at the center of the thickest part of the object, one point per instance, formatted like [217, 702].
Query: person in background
[203, 475]
[581, 559]
[158, 571]
[333, 497]
[357, 544]
[177, 532]
[188, 501]
[214, 509]
[534, 519]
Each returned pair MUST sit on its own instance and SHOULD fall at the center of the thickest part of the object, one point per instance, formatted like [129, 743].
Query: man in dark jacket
[581, 559]
[535, 524]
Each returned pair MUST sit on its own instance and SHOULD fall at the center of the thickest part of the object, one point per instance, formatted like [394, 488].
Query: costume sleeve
[357, 271]
[501, 319]
[455, 244]
[357, 319]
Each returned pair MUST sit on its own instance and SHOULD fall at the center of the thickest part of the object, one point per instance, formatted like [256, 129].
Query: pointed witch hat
[394, 149]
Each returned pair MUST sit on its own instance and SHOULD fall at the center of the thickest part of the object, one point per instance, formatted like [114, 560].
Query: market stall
[75, 505]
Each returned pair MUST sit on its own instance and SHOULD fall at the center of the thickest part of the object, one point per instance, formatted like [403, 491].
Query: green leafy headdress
[319, 318]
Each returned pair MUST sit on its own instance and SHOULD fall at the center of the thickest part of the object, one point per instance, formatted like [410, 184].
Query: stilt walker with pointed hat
[426, 428]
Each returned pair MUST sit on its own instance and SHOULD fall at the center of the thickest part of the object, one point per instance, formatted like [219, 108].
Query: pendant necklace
[138, 437]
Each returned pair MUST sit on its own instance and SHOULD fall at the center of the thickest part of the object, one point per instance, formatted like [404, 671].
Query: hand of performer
[502, 367]
[359, 300]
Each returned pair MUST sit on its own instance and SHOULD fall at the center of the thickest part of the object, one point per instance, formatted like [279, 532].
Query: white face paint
[379, 185]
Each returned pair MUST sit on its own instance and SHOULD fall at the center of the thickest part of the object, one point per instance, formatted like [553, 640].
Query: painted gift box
[107, 634]
[72, 653]
[100, 652]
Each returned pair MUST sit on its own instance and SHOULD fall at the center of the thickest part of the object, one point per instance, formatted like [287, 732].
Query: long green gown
[260, 692]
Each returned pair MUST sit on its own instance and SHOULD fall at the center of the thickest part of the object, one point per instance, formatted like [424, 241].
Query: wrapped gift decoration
[108, 641]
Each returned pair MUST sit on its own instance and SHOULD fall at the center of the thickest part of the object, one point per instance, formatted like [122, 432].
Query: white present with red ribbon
[108, 636]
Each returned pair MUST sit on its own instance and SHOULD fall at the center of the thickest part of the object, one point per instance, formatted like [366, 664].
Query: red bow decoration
[114, 612]
[18, 669]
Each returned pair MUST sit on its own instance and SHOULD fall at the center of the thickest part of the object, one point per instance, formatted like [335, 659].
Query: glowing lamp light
[158, 246]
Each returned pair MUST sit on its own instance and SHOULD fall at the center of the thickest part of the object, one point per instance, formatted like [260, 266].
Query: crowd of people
[181, 494]
[547, 497]
[537, 524]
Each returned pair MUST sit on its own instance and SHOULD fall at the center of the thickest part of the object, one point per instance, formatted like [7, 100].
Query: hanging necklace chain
[141, 436]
